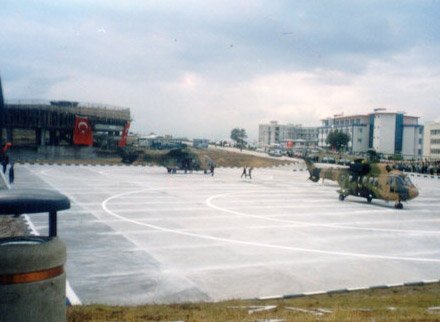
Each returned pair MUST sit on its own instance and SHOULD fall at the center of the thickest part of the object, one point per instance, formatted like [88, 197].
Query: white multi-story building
[386, 132]
[396, 133]
[356, 126]
[431, 141]
[275, 133]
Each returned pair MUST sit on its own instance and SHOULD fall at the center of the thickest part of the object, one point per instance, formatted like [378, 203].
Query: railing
[81, 108]
[39, 102]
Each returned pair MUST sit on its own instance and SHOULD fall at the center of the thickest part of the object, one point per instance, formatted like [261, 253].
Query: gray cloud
[224, 63]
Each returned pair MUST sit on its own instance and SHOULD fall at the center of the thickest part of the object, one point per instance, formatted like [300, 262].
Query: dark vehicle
[183, 159]
[128, 154]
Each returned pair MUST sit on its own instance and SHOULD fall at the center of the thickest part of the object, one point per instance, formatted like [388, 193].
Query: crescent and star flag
[82, 133]
[123, 141]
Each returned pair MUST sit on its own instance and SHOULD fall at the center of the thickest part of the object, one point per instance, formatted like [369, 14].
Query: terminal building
[386, 132]
[53, 123]
[431, 141]
[275, 133]
[41, 123]
[55, 130]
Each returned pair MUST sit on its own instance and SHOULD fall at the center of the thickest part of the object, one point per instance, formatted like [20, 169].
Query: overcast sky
[200, 68]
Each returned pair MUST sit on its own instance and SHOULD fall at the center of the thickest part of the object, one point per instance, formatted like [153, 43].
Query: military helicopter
[183, 159]
[367, 180]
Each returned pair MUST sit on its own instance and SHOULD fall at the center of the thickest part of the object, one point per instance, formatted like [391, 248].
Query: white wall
[410, 141]
[428, 146]
[384, 133]
[360, 133]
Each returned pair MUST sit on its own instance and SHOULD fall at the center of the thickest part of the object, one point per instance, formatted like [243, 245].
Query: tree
[239, 136]
[373, 156]
[337, 139]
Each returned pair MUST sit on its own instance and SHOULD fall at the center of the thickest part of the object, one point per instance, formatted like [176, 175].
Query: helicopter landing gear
[341, 197]
[398, 205]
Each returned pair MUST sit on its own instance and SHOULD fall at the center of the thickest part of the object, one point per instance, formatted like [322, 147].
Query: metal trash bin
[32, 277]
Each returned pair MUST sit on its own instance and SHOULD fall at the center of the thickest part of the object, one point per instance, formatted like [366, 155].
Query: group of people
[247, 172]
[423, 167]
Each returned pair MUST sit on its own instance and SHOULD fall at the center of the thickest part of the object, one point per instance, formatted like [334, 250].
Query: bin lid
[28, 201]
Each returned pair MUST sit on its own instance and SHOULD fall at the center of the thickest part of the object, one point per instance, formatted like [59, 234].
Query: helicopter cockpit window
[392, 181]
[408, 181]
[396, 184]
[400, 183]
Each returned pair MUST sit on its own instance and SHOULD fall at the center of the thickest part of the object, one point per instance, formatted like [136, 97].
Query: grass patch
[407, 303]
[224, 158]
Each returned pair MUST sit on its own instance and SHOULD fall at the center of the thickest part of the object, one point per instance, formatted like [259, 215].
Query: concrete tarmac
[139, 235]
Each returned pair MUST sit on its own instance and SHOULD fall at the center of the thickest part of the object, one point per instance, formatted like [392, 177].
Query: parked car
[328, 160]
[343, 161]
[275, 153]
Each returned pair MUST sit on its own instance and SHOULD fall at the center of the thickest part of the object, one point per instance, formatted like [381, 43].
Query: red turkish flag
[123, 141]
[6, 147]
[82, 133]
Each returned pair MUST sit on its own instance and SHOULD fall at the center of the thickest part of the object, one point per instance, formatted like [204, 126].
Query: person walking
[244, 173]
[4, 156]
[5, 161]
[11, 173]
[250, 172]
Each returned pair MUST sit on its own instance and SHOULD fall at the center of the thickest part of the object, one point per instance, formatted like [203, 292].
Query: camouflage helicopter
[184, 159]
[367, 180]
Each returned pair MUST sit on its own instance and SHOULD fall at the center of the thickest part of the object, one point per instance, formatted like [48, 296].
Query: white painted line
[249, 243]
[395, 285]
[315, 293]
[70, 294]
[333, 226]
[298, 309]
[31, 226]
[254, 309]
[272, 297]
[322, 310]
[431, 281]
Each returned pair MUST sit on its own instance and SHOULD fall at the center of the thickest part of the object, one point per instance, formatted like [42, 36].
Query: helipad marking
[241, 242]
[237, 213]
